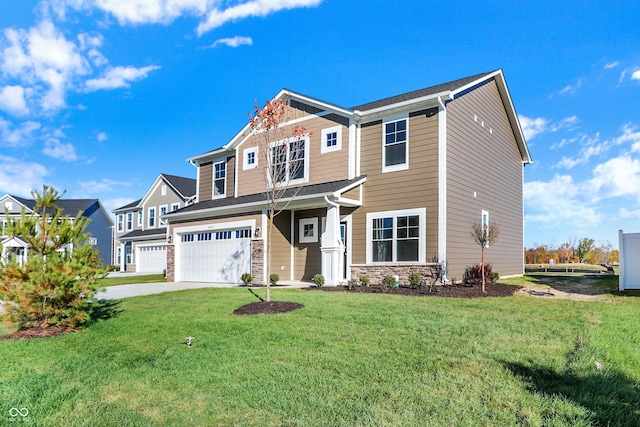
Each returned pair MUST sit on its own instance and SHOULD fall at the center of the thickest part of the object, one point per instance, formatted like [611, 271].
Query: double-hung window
[289, 162]
[395, 142]
[121, 222]
[130, 221]
[396, 236]
[140, 218]
[219, 178]
[152, 217]
[163, 211]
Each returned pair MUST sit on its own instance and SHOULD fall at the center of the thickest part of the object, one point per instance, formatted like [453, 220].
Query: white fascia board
[9, 196]
[401, 107]
[316, 103]
[159, 179]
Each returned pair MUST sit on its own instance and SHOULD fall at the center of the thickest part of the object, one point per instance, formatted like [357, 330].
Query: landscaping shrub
[388, 282]
[318, 279]
[246, 278]
[364, 280]
[473, 274]
[274, 278]
[414, 280]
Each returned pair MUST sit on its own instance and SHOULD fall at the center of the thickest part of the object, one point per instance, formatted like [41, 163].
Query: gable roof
[430, 96]
[185, 187]
[68, 206]
[420, 93]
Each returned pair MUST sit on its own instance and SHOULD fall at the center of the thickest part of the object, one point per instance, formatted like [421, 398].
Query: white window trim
[307, 221]
[213, 180]
[155, 217]
[163, 190]
[129, 226]
[402, 166]
[307, 150]
[325, 132]
[175, 206]
[140, 217]
[120, 222]
[166, 211]
[484, 221]
[422, 241]
[245, 157]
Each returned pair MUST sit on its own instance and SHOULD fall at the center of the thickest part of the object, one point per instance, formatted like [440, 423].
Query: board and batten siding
[323, 167]
[416, 187]
[484, 172]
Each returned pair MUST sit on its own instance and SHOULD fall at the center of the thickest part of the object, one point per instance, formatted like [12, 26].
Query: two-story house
[388, 187]
[140, 242]
[99, 228]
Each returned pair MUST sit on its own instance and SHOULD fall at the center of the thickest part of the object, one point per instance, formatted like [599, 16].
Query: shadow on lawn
[103, 310]
[612, 398]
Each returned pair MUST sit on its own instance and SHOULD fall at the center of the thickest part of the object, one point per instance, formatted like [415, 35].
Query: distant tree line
[574, 251]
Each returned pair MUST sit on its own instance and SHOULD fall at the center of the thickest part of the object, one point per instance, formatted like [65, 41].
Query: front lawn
[133, 279]
[344, 360]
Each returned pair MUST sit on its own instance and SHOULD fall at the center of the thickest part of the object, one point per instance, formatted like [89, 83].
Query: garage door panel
[151, 259]
[221, 261]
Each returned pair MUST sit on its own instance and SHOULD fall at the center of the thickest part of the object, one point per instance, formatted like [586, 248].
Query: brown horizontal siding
[325, 167]
[280, 262]
[416, 187]
[205, 181]
[489, 164]
[307, 256]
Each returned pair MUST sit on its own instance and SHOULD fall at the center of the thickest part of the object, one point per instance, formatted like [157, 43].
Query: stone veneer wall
[376, 273]
[170, 273]
[257, 262]
[130, 267]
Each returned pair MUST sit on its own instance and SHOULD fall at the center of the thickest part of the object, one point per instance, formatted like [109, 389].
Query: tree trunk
[267, 272]
[483, 269]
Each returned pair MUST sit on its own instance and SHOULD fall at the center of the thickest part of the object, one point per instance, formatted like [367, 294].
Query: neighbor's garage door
[214, 256]
[151, 259]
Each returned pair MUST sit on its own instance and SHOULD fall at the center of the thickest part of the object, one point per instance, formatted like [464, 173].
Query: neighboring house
[99, 227]
[140, 242]
[388, 187]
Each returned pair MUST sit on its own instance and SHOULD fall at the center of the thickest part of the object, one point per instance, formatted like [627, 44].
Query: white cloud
[233, 41]
[617, 177]
[571, 89]
[59, 150]
[12, 100]
[610, 65]
[119, 77]
[19, 178]
[12, 136]
[629, 214]
[102, 136]
[635, 75]
[568, 123]
[532, 127]
[255, 8]
[93, 187]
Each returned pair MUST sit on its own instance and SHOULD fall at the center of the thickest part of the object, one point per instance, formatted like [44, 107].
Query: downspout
[197, 196]
[442, 185]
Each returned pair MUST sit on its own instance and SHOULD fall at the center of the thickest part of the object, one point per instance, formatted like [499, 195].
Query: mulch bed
[448, 291]
[268, 307]
[51, 331]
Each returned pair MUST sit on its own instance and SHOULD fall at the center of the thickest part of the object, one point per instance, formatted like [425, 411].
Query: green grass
[126, 280]
[343, 360]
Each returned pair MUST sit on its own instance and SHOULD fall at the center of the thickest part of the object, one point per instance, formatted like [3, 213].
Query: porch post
[331, 245]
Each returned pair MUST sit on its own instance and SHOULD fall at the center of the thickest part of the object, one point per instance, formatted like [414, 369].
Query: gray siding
[484, 160]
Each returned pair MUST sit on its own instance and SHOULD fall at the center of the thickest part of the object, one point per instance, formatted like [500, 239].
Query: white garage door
[214, 256]
[151, 259]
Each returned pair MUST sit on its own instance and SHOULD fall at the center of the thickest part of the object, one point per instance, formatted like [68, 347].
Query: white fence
[629, 260]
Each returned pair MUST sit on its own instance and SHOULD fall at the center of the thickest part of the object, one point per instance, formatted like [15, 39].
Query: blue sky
[100, 96]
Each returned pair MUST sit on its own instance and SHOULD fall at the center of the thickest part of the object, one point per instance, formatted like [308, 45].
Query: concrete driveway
[125, 291]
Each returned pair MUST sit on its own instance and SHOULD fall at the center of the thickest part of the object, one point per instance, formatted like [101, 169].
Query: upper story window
[152, 217]
[163, 211]
[130, 221]
[140, 218]
[395, 145]
[289, 163]
[331, 139]
[121, 222]
[250, 156]
[175, 207]
[219, 178]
